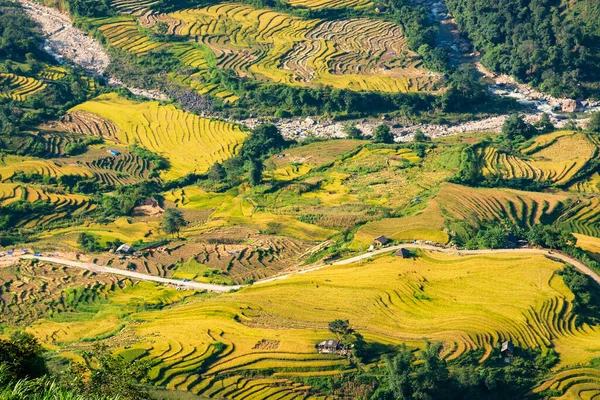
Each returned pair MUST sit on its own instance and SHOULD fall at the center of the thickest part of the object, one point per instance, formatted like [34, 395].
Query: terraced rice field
[590, 244]
[358, 54]
[474, 206]
[589, 185]
[191, 144]
[135, 7]
[318, 4]
[63, 205]
[49, 168]
[223, 346]
[53, 73]
[583, 217]
[557, 163]
[29, 292]
[124, 169]
[125, 35]
[572, 384]
[235, 208]
[18, 87]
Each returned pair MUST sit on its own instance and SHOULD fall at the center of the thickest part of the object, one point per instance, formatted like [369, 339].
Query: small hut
[381, 240]
[403, 253]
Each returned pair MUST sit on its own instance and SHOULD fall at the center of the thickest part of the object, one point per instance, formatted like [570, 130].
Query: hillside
[553, 44]
[304, 199]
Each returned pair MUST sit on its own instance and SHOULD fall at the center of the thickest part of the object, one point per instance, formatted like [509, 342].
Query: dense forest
[553, 44]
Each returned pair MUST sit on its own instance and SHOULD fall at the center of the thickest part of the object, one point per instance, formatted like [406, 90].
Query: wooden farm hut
[332, 346]
[507, 351]
[403, 253]
[381, 241]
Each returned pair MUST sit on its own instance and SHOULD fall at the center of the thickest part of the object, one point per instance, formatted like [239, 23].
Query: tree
[173, 221]
[263, 140]
[544, 125]
[107, 375]
[217, 173]
[594, 124]
[352, 132]
[88, 242]
[383, 134]
[340, 327]
[22, 357]
[515, 128]
[419, 136]
[255, 172]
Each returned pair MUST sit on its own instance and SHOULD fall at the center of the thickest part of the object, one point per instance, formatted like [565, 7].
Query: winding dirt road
[136, 275]
[556, 256]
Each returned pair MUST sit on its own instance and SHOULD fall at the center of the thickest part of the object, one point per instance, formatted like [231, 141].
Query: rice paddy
[558, 162]
[18, 87]
[358, 54]
[474, 206]
[190, 143]
[254, 342]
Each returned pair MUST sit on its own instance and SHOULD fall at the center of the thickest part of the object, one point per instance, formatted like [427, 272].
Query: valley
[297, 200]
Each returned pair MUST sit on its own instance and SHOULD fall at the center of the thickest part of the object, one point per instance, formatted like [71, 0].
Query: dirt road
[224, 288]
[136, 275]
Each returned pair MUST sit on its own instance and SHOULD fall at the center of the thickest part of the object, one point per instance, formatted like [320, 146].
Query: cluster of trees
[587, 295]
[500, 235]
[103, 376]
[552, 44]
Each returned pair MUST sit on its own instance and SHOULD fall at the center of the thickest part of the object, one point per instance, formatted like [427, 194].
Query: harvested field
[18, 87]
[32, 291]
[190, 143]
[86, 123]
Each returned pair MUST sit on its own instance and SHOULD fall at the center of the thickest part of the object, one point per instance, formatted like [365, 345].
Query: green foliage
[89, 242]
[21, 356]
[587, 294]
[516, 129]
[173, 221]
[594, 124]
[493, 236]
[340, 327]
[159, 163]
[18, 34]
[419, 136]
[550, 237]
[125, 198]
[543, 42]
[544, 125]
[263, 141]
[107, 375]
[352, 132]
[383, 134]
[466, 90]
[255, 172]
